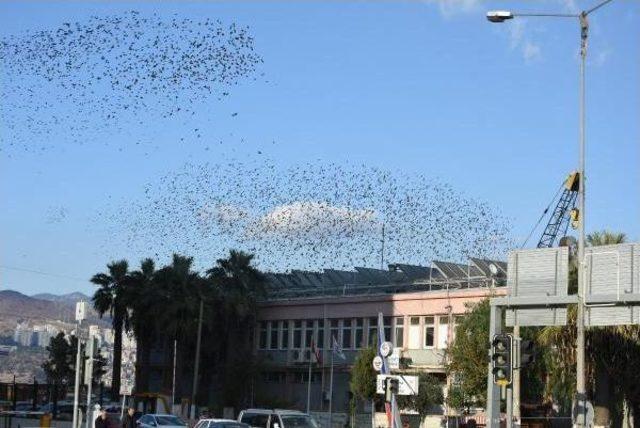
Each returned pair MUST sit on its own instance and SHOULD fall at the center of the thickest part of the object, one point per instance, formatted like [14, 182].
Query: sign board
[611, 315]
[128, 370]
[407, 385]
[386, 348]
[589, 413]
[611, 273]
[394, 359]
[88, 365]
[81, 311]
[540, 272]
[377, 363]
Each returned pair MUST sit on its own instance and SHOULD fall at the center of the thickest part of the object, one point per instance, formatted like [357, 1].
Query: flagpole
[331, 393]
[309, 384]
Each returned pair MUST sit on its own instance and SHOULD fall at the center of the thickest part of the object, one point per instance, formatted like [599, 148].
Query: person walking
[101, 421]
[129, 420]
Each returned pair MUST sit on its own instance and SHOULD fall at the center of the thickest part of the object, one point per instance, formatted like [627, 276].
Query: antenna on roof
[382, 251]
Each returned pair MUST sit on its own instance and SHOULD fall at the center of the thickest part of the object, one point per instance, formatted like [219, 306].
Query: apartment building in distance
[420, 305]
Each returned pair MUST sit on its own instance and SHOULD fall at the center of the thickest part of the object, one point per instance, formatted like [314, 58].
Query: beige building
[420, 305]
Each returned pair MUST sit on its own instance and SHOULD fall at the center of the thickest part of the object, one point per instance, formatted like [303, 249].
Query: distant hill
[17, 307]
[70, 297]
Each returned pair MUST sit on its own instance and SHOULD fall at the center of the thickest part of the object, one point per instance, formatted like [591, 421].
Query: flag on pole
[316, 352]
[337, 350]
[393, 413]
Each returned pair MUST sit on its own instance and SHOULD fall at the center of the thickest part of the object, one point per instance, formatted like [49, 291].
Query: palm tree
[177, 296]
[601, 348]
[142, 303]
[175, 308]
[111, 298]
[240, 286]
[604, 338]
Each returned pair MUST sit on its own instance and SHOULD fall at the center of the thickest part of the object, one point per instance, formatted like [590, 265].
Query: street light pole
[76, 388]
[499, 17]
[581, 390]
[194, 392]
[81, 311]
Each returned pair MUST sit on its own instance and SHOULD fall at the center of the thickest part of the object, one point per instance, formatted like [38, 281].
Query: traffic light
[391, 386]
[527, 353]
[501, 358]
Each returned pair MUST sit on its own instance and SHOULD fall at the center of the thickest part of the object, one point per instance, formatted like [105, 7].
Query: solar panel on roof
[399, 278]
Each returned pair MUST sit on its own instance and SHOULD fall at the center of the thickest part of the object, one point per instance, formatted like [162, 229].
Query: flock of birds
[101, 74]
[310, 216]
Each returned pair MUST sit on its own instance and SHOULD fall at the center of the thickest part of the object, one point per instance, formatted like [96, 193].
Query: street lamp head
[499, 15]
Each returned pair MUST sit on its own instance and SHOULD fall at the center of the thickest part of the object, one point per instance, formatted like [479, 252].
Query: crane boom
[564, 211]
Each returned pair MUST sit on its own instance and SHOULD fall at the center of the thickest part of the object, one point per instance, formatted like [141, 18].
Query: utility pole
[516, 374]
[197, 363]
[173, 384]
[81, 309]
[88, 375]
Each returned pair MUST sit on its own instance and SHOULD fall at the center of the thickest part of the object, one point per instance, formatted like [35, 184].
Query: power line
[38, 272]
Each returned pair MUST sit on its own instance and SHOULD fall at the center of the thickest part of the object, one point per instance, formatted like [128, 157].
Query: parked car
[278, 418]
[158, 420]
[220, 423]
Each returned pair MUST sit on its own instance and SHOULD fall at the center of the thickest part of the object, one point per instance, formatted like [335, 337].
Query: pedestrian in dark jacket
[102, 421]
[129, 421]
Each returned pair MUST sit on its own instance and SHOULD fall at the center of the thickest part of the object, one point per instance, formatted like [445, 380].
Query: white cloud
[224, 216]
[516, 32]
[307, 218]
[601, 56]
[530, 51]
[451, 7]
[570, 6]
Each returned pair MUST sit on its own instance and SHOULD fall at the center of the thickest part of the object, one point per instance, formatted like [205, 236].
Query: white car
[266, 418]
[220, 423]
[163, 421]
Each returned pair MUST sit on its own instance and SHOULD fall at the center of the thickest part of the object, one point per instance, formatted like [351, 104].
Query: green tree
[99, 368]
[429, 395]
[112, 298]
[468, 356]
[363, 376]
[60, 361]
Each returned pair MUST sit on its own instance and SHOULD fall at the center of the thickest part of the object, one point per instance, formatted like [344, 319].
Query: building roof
[398, 278]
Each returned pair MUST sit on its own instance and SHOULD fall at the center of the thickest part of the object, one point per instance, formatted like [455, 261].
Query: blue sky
[424, 87]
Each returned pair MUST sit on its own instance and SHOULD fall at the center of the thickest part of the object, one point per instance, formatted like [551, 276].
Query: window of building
[414, 333]
[284, 339]
[443, 331]
[303, 377]
[273, 334]
[359, 333]
[297, 334]
[298, 377]
[346, 334]
[274, 377]
[262, 340]
[386, 322]
[335, 332]
[308, 333]
[320, 343]
[457, 320]
[429, 332]
[373, 332]
[398, 337]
